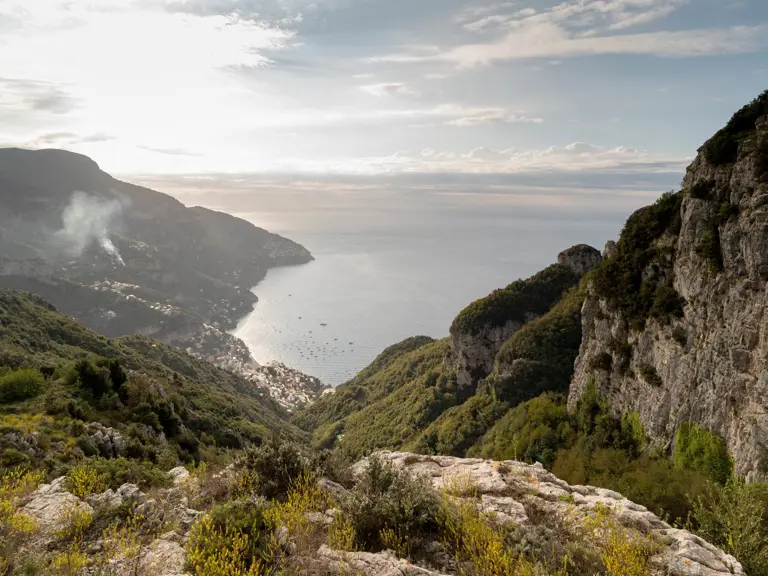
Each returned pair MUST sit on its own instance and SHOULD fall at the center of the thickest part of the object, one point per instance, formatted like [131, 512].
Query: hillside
[60, 384]
[441, 397]
[123, 259]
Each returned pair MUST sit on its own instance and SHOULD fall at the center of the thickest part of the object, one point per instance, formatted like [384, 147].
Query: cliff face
[481, 329]
[704, 362]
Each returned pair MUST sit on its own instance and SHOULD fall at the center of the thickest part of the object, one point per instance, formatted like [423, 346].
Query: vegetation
[624, 280]
[22, 384]
[703, 189]
[723, 147]
[536, 359]
[650, 375]
[761, 160]
[699, 449]
[516, 302]
[58, 380]
[591, 446]
[391, 370]
[733, 517]
[389, 406]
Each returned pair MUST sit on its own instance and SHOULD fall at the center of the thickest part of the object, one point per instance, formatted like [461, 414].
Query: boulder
[163, 558]
[382, 564]
[50, 504]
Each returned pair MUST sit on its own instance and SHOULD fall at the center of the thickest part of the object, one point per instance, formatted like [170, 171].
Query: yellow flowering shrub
[624, 551]
[217, 551]
[69, 562]
[74, 523]
[475, 540]
[341, 533]
[85, 480]
[16, 527]
[121, 548]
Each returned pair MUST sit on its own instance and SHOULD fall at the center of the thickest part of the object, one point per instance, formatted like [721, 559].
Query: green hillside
[56, 377]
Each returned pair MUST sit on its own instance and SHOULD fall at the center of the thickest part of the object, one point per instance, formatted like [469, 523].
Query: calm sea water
[379, 278]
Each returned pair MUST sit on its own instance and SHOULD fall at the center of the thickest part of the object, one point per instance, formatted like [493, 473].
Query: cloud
[492, 116]
[571, 158]
[390, 89]
[35, 95]
[169, 151]
[62, 139]
[589, 27]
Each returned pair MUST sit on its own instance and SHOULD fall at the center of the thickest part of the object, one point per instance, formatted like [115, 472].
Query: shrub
[724, 211]
[20, 385]
[634, 429]
[16, 527]
[680, 335]
[293, 517]
[620, 279]
[119, 471]
[722, 148]
[650, 375]
[703, 189]
[623, 551]
[121, 547]
[93, 378]
[761, 160]
[215, 550]
[387, 498]
[602, 361]
[746, 117]
[278, 466]
[733, 518]
[479, 544]
[700, 450]
[516, 302]
[12, 457]
[666, 302]
[85, 480]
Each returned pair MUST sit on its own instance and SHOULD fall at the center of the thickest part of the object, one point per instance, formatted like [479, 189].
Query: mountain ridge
[124, 259]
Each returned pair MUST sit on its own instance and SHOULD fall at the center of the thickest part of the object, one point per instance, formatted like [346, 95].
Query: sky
[538, 101]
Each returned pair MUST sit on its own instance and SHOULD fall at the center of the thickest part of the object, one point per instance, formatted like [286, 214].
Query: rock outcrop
[382, 564]
[709, 365]
[526, 498]
[581, 258]
[481, 329]
[50, 504]
[108, 440]
[526, 495]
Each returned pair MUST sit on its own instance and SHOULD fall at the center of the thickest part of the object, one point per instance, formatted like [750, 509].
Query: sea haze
[384, 274]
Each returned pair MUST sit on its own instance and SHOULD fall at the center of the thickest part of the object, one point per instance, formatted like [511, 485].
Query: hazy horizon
[537, 100]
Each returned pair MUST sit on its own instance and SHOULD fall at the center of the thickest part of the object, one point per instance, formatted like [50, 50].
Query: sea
[380, 276]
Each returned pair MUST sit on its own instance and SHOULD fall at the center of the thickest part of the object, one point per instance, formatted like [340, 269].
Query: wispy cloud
[493, 116]
[390, 89]
[589, 27]
[64, 139]
[169, 151]
[574, 157]
[35, 95]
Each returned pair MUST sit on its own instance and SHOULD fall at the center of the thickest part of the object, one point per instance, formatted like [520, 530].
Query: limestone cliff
[675, 325]
[481, 329]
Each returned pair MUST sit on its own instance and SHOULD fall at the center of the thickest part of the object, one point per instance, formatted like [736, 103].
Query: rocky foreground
[521, 496]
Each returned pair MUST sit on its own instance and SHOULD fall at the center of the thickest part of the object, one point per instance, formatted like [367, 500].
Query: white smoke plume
[88, 219]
